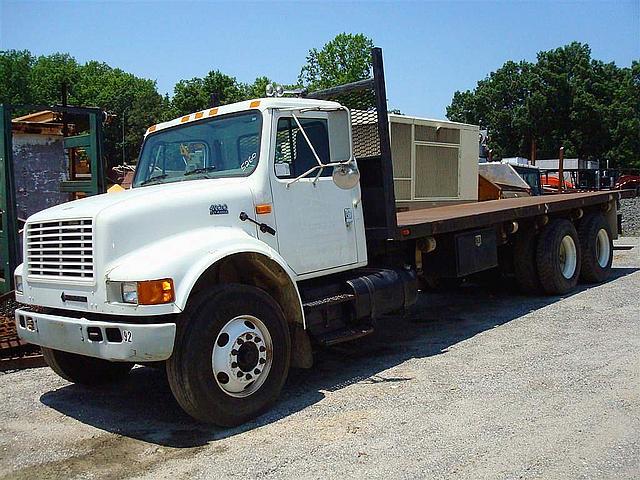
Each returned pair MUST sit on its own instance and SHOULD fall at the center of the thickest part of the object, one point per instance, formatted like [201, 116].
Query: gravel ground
[630, 209]
[471, 384]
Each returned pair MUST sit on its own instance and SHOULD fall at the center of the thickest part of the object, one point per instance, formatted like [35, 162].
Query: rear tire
[558, 257]
[220, 372]
[524, 262]
[85, 370]
[596, 243]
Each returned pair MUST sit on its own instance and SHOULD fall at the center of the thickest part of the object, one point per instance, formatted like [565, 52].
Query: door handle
[348, 216]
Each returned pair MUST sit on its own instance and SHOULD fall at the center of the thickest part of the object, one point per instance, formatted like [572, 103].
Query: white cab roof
[261, 104]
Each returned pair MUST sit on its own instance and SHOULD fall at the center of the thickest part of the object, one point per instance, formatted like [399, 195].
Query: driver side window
[293, 155]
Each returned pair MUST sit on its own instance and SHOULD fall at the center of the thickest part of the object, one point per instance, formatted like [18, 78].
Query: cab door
[315, 220]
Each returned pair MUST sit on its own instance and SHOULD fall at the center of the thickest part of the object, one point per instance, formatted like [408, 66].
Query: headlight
[149, 292]
[129, 292]
[18, 283]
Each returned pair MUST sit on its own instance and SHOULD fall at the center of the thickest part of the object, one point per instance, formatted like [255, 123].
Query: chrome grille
[61, 250]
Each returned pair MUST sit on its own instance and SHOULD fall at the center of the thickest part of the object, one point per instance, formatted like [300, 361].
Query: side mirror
[346, 175]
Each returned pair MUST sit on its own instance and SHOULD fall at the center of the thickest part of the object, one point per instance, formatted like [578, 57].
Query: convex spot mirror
[346, 176]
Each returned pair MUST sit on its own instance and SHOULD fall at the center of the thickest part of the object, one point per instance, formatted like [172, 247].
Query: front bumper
[107, 340]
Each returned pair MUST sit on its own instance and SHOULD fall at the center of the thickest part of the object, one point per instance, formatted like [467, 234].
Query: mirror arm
[315, 180]
[304, 134]
[321, 166]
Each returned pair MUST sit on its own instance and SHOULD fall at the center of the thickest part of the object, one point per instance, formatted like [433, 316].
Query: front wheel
[85, 370]
[231, 356]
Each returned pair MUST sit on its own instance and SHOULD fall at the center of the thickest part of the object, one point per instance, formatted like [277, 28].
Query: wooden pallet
[15, 353]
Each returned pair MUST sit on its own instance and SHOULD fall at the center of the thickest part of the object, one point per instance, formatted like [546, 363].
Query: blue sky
[431, 49]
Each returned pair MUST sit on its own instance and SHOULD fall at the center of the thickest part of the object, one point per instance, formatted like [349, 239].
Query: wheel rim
[568, 257]
[603, 248]
[242, 356]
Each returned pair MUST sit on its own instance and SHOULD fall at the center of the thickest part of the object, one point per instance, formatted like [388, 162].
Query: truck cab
[235, 178]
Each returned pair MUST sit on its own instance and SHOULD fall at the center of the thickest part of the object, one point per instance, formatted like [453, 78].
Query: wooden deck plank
[450, 218]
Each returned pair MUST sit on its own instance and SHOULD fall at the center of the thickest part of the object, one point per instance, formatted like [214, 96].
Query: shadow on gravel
[142, 406]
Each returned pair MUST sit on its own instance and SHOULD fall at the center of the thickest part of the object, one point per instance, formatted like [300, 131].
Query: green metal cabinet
[91, 143]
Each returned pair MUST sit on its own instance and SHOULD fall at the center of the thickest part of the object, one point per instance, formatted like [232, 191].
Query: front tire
[558, 257]
[597, 248]
[231, 356]
[85, 370]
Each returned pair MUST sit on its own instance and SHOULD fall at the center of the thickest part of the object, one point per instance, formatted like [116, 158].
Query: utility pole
[561, 169]
[124, 159]
[533, 151]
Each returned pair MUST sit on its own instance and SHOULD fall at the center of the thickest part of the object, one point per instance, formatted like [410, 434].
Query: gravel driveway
[630, 209]
[471, 384]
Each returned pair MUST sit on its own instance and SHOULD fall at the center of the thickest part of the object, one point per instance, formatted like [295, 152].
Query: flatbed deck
[452, 218]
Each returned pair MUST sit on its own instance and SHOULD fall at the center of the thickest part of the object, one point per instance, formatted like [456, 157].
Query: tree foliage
[130, 99]
[136, 103]
[565, 98]
[196, 94]
[15, 70]
[346, 58]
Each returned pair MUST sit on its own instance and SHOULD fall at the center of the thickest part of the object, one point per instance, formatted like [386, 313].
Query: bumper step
[328, 301]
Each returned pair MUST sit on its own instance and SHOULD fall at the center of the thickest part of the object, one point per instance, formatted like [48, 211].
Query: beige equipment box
[435, 162]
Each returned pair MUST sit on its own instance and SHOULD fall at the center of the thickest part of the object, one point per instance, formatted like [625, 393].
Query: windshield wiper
[157, 177]
[201, 170]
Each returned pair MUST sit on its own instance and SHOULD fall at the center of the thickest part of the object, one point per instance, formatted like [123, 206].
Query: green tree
[130, 99]
[15, 68]
[49, 73]
[195, 94]
[257, 89]
[135, 100]
[346, 58]
[564, 99]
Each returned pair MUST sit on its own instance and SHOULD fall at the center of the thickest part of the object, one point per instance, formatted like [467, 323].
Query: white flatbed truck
[253, 235]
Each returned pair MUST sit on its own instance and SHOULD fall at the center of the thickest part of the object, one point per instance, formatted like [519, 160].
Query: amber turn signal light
[155, 292]
[263, 208]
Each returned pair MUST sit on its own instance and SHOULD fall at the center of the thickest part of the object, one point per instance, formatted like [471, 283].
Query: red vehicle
[628, 182]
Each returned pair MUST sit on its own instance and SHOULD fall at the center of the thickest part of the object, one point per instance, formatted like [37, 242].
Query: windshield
[226, 146]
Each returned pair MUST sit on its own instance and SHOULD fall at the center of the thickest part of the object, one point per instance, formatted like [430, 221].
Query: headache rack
[367, 101]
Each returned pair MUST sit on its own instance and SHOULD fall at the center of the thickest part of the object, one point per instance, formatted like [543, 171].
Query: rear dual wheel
[596, 243]
[548, 261]
[558, 257]
[524, 261]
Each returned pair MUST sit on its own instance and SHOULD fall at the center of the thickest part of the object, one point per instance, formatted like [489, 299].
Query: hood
[90, 207]
[127, 221]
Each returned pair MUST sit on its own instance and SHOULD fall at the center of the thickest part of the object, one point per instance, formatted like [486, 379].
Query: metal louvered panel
[403, 189]
[401, 148]
[60, 250]
[426, 133]
[436, 172]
